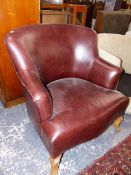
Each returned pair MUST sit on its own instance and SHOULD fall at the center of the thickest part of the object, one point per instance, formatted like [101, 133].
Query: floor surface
[22, 152]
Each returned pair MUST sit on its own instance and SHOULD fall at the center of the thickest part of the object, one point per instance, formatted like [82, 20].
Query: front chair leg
[117, 123]
[54, 165]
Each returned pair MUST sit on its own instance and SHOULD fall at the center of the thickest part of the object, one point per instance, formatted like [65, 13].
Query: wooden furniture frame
[52, 16]
[51, 6]
[73, 9]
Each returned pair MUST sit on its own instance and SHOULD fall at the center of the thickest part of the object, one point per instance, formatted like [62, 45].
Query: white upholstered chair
[116, 49]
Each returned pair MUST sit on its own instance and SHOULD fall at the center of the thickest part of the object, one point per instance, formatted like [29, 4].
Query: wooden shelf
[51, 6]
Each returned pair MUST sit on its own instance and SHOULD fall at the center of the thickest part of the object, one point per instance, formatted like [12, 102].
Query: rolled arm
[105, 74]
[38, 96]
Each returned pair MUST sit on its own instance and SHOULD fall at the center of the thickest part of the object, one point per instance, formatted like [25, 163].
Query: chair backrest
[54, 51]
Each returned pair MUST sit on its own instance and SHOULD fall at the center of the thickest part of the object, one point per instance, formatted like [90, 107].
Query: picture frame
[111, 5]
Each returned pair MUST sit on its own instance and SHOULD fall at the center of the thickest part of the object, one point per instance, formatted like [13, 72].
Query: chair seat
[74, 101]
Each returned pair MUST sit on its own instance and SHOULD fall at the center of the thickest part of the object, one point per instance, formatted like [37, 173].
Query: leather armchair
[69, 89]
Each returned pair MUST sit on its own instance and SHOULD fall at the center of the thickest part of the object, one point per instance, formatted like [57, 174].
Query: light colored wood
[52, 16]
[52, 12]
[13, 13]
[117, 123]
[14, 102]
[72, 11]
[55, 165]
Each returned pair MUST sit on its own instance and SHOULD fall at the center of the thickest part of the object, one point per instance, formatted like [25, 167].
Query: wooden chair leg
[54, 165]
[117, 123]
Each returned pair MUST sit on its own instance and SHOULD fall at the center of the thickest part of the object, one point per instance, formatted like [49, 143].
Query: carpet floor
[22, 152]
[116, 161]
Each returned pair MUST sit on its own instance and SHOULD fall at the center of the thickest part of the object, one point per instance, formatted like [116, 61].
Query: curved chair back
[53, 51]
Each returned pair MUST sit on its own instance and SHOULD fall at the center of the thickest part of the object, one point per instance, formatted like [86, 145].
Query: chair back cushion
[53, 51]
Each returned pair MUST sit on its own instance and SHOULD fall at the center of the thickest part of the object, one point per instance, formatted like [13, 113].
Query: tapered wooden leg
[117, 123]
[54, 165]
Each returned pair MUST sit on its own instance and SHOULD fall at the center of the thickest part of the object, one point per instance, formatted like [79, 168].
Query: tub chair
[69, 89]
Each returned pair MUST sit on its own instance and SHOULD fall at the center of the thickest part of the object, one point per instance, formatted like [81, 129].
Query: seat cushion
[81, 111]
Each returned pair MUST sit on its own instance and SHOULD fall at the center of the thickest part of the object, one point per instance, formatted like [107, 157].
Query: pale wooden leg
[117, 123]
[54, 165]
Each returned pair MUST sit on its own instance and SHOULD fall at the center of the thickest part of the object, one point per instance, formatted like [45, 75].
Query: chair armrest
[109, 57]
[105, 74]
[37, 95]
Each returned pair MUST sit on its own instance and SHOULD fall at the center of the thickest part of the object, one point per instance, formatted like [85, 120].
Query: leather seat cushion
[77, 106]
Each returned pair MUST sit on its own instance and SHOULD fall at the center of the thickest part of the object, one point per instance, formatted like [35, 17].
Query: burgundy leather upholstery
[68, 87]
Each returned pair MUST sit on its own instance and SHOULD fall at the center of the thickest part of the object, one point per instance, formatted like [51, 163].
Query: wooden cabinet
[64, 14]
[13, 13]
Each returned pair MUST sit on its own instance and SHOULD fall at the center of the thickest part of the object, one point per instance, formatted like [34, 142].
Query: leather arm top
[38, 93]
[104, 74]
